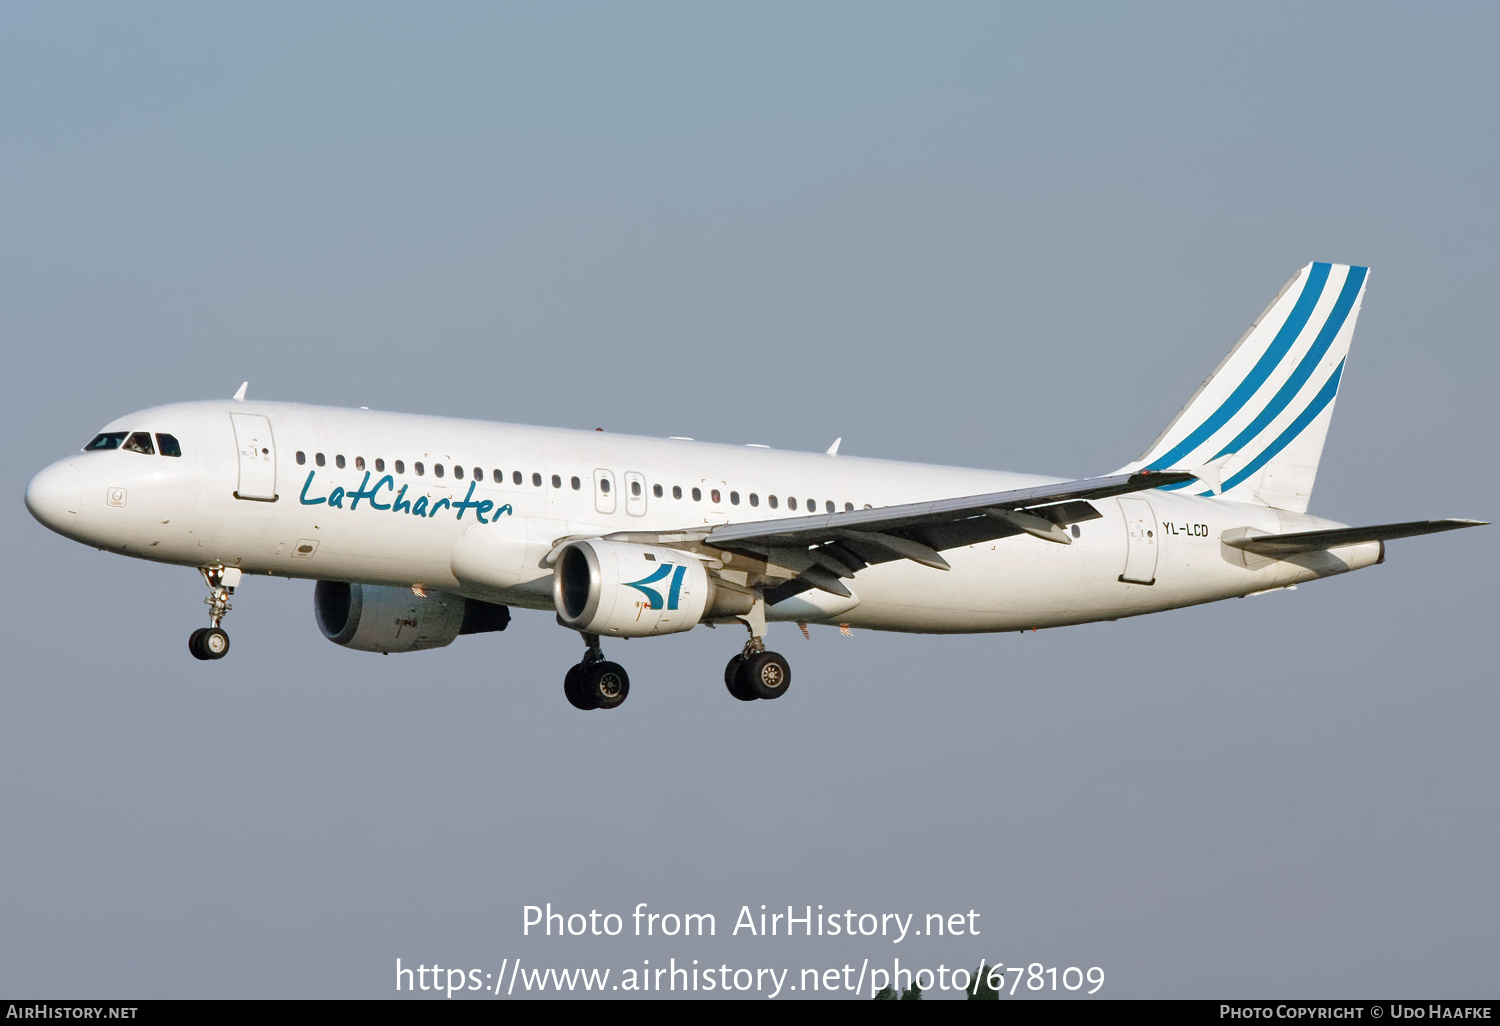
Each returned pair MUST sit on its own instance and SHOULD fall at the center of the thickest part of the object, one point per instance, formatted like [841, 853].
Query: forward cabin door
[252, 436]
[1140, 541]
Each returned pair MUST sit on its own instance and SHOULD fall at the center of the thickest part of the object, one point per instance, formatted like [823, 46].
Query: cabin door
[257, 454]
[1140, 541]
[604, 491]
[635, 494]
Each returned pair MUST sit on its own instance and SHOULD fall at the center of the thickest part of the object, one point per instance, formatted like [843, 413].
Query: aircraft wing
[1317, 541]
[934, 523]
[820, 549]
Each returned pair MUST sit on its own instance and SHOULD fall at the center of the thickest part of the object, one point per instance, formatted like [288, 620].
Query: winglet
[239, 396]
[833, 450]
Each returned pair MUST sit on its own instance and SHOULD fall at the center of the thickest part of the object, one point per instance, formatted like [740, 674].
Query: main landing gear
[596, 683]
[756, 673]
[212, 642]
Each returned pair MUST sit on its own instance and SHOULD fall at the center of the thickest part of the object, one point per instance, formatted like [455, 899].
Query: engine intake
[373, 618]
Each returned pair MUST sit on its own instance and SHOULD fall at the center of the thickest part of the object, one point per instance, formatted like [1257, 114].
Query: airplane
[419, 529]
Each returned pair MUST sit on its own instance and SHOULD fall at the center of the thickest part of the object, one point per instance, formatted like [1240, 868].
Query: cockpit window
[140, 441]
[109, 440]
[167, 445]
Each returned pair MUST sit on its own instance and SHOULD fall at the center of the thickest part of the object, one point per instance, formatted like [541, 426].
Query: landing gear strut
[756, 673]
[596, 683]
[212, 642]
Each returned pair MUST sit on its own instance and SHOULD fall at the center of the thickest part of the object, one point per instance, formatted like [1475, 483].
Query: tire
[573, 688]
[195, 643]
[734, 680]
[214, 643]
[767, 675]
[606, 684]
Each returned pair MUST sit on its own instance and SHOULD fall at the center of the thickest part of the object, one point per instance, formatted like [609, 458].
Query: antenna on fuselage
[833, 450]
[239, 396]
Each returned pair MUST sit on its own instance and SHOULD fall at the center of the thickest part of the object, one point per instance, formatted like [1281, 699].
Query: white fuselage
[528, 487]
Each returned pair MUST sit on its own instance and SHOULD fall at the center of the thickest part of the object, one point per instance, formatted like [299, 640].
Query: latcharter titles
[485, 510]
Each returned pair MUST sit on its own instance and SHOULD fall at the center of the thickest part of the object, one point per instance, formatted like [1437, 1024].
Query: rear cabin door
[1140, 541]
[257, 455]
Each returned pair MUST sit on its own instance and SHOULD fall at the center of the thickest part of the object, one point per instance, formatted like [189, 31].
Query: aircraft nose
[54, 496]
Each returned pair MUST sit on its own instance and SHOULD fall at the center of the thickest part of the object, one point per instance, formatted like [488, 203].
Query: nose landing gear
[596, 683]
[212, 642]
[208, 643]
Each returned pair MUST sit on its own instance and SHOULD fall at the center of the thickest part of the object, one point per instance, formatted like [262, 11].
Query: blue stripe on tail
[1283, 398]
[1311, 292]
[1322, 399]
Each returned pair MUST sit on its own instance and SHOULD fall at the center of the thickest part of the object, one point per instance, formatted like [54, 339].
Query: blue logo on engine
[652, 595]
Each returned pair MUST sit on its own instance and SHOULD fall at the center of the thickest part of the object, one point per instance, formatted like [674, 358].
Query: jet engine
[633, 591]
[372, 618]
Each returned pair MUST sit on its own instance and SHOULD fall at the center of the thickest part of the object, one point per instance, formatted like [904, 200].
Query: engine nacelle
[373, 618]
[629, 590]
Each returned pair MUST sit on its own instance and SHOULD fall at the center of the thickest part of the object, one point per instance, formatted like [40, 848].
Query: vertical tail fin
[1258, 423]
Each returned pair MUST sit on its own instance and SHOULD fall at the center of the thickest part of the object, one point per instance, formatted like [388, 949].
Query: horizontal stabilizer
[1317, 541]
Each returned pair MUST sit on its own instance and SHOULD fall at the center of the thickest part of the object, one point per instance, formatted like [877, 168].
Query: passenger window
[338, 461]
[829, 505]
[791, 502]
[400, 467]
[140, 442]
[437, 469]
[301, 457]
[458, 472]
[604, 485]
[111, 440]
[478, 474]
[635, 488]
[577, 484]
[419, 469]
[536, 479]
[499, 476]
[359, 463]
[677, 491]
[167, 445]
[812, 505]
[379, 465]
[556, 480]
[318, 459]
[516, 477]
[734, 498]
[848, 507]
[656, 490]
[714, 496]
[697, 495]
[771, 501]
[754, 499]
